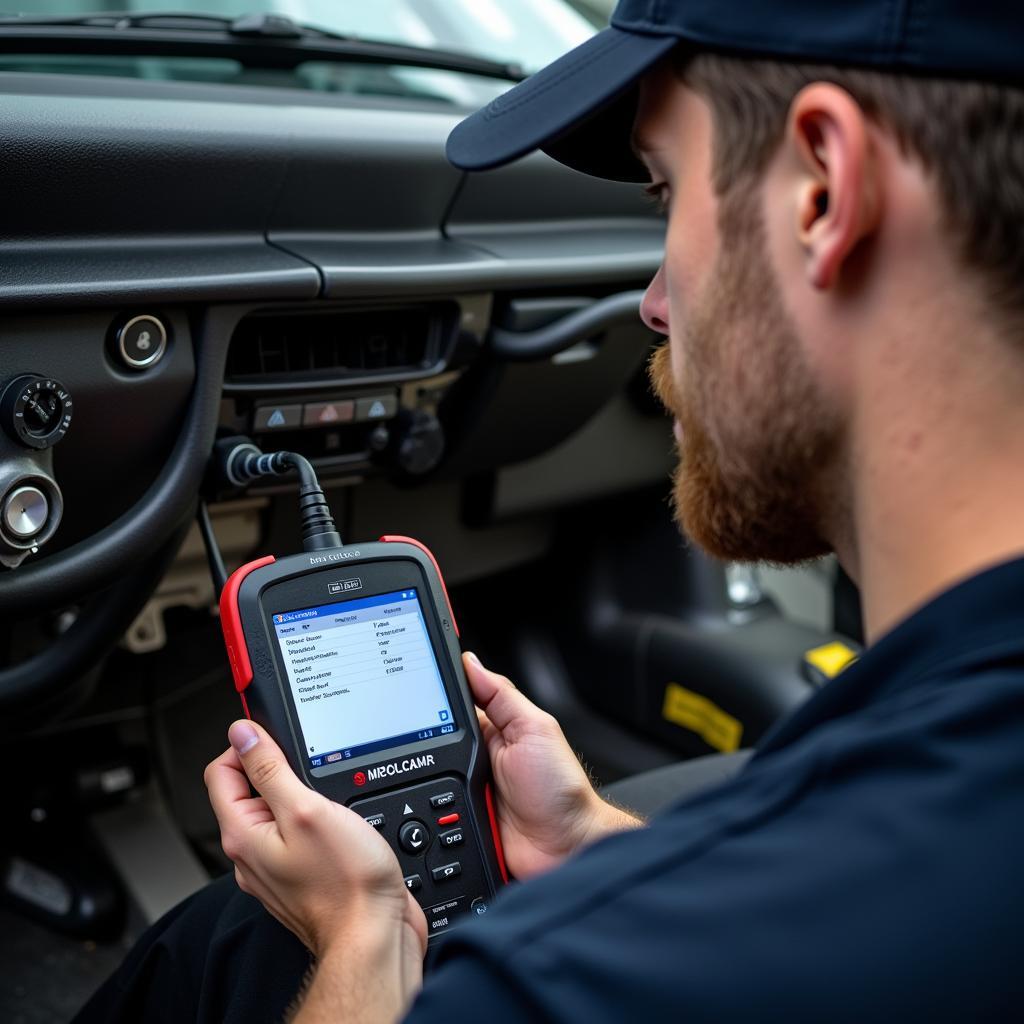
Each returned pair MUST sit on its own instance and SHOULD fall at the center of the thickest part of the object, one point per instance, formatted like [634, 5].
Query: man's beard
[760, 442]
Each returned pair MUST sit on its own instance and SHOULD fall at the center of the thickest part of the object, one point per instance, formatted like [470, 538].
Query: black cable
[243, 462]
[218, 570]
[318, 529]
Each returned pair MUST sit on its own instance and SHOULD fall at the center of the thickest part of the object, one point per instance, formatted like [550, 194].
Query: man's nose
[654, 306]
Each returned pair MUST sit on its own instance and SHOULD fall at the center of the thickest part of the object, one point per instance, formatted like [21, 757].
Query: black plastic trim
[119, 272]
[135, 198]
[423, 266]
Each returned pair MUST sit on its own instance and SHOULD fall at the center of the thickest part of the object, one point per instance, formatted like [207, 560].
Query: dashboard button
[442, 799]
[277, 417]
[479, 906]
[413, 836]
[447, 871]
[326, 414]
[376, 820]
[141, 342]
[377, 407]
[448, 819]
[413, 882]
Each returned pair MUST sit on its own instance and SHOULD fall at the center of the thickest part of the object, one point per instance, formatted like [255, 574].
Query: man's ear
[838, 202]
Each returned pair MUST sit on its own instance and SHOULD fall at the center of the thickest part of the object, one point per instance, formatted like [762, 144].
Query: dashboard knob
[26, 511]
[420, 442]
[36, 411]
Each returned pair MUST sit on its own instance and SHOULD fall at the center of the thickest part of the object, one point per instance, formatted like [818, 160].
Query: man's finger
[266, 767]
[495, 694]
[226, 783]
[237, 812]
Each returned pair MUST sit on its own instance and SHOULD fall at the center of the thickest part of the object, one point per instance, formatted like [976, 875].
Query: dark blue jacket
[866, 865]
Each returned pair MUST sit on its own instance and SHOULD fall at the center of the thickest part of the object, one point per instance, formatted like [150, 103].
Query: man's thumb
[264, 763]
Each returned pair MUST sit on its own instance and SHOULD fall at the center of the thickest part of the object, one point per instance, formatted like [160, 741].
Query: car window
[525, 33]
[530, 33]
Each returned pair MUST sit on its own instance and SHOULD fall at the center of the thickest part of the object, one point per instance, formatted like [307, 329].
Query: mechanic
[843, 296]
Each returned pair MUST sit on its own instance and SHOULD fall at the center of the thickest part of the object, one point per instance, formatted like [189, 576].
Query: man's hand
[323, 872]
[546, 807]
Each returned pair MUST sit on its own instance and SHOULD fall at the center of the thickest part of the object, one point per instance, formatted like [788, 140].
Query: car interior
[244, 227]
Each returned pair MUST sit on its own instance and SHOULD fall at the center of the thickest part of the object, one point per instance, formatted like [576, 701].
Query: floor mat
[45, 977]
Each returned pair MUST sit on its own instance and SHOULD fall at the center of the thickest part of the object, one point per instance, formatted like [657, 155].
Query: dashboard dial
[36, 410]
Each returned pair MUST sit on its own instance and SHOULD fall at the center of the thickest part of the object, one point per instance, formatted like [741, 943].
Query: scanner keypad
[429, 827]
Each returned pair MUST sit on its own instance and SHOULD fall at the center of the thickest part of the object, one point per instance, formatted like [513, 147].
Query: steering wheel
[145, 539]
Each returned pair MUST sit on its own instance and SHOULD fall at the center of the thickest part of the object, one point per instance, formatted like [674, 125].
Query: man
[843, 296]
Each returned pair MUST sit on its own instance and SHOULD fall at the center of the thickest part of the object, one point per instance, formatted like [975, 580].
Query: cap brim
[579, 110]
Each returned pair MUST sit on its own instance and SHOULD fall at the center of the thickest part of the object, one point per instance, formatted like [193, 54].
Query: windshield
[530, 33]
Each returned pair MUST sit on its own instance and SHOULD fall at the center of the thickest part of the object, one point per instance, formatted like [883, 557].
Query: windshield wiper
[254, 40]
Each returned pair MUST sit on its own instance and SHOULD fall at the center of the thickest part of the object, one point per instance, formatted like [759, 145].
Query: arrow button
[413, 837]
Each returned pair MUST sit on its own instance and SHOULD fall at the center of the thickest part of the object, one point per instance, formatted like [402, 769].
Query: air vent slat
[290, 347]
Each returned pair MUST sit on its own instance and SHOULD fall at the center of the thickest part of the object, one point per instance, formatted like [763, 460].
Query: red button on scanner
[448, 819]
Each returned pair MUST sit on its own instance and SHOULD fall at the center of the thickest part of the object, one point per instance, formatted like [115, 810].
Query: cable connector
[242, 463]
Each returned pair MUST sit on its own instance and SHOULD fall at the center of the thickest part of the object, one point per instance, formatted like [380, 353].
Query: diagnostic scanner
[349, 657]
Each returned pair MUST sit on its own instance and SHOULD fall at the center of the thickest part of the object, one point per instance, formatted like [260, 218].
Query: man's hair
[969, 136]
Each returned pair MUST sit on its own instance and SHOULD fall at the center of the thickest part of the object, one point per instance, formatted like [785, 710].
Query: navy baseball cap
[580, 108]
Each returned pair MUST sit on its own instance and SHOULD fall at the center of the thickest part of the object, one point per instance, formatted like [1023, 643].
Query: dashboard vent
[346, 345]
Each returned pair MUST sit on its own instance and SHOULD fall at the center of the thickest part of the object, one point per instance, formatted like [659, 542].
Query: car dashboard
[190, 261]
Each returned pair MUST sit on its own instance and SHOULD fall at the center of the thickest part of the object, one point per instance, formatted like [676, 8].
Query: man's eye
[657, 192]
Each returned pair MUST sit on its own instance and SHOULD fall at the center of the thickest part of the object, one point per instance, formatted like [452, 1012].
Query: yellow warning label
[690, 710]
[830, 659]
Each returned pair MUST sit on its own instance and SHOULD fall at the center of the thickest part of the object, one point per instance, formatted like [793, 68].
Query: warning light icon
[276, 419]
[329, 414]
